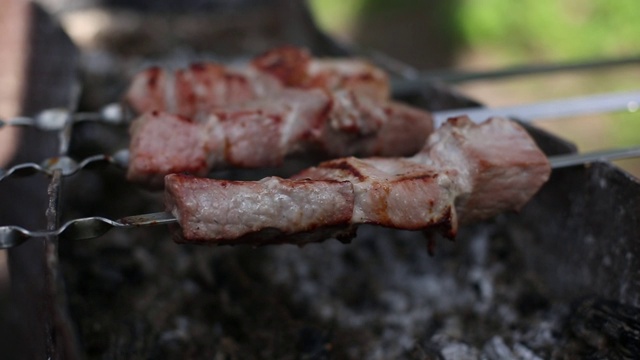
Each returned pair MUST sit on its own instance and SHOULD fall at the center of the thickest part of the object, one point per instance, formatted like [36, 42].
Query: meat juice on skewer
[465, 172]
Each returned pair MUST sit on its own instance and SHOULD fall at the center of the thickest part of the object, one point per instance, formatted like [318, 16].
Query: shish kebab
[224, 117]
[91, 227]
[210, 116]
[339, 106]
[466, 172]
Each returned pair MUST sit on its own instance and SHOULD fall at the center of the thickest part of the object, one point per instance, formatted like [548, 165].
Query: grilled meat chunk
[356, 75]
[295, 67]
[245, 211]
[500, 167]
[466, 172]
[171, 143]
[202, 87]
[361, 126]
[197, 89]
[264, 132]
[393, 192]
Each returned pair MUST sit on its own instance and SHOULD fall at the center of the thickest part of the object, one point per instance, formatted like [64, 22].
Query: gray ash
[139, 295]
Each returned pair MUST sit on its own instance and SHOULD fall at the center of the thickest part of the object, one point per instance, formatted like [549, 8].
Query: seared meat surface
[393, 192]
[265, 131]
[202, 87]
[197, 89]
[172, 143]
[245, 211]
[466, 172]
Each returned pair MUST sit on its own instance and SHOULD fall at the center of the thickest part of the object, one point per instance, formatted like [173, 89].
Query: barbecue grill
[558, 279]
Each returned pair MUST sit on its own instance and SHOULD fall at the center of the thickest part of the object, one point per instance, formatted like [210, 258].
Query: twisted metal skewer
[92, 227]
[66, 165]
[56, 119]
[80, 229]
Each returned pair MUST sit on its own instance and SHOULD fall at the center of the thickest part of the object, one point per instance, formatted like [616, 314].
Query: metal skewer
[562, 161]
[92, 227]
[412, 77]
[55, 119]
[84, 228]
[554, 109]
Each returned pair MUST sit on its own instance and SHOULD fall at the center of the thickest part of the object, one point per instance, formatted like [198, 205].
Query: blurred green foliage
[552, 29]
[626, 129]
[519, 29]
[336, 15]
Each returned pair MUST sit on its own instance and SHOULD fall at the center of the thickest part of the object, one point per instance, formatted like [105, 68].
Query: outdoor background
[494, 34]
